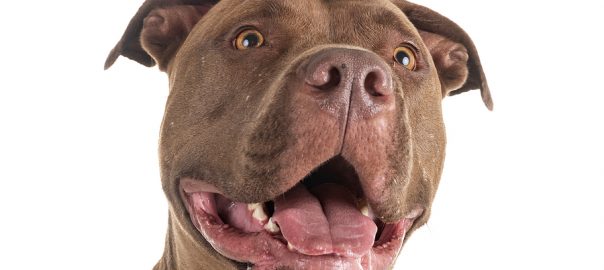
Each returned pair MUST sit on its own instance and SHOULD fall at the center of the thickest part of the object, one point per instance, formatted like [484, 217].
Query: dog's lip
[275, 251]
[190, 185]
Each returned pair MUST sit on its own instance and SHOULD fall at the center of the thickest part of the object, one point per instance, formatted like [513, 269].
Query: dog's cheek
[428, 140]
[218, 128]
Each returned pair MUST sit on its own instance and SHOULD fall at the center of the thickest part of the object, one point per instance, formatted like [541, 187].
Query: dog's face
[300, 134]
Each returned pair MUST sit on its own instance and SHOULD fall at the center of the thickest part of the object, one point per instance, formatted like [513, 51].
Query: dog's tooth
[257, 210]
[363, 206]
[271, 226]
[290, 247]
[365, 211]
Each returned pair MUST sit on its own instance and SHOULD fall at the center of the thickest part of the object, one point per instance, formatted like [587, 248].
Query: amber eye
[405, 56]
[249, 39]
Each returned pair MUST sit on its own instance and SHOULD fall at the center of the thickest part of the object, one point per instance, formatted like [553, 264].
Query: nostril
[328, 80]
[376, 84]
[370, 83]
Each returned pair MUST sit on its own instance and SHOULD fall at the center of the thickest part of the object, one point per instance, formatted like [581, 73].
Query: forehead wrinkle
[391, 20]
[264, 9]
[371, 17]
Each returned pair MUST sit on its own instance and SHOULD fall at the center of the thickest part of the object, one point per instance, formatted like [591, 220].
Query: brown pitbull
[299, 134]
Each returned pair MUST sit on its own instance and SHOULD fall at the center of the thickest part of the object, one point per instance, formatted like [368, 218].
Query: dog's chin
[323, 222]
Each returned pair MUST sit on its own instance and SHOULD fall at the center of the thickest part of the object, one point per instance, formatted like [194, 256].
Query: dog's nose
[357, 79]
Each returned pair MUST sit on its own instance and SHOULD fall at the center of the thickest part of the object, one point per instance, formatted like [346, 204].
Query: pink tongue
[325, 221]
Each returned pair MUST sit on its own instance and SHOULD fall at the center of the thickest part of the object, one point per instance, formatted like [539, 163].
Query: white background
[522, 189]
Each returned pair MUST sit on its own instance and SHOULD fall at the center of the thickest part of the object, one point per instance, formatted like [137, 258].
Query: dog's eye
[249, 39]
[405, 56]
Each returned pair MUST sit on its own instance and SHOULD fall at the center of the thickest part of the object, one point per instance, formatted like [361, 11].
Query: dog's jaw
[246, 233]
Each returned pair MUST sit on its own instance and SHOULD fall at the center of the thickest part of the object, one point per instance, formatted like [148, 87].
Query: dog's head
[299, 134]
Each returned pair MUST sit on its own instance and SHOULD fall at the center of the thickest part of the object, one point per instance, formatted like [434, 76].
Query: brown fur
[237, 119]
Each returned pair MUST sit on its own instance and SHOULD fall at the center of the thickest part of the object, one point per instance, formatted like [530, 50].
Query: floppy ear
[452, 50]
[157, 31]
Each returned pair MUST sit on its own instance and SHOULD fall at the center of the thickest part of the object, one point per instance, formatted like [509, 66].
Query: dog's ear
[156, 32]
[453, 52]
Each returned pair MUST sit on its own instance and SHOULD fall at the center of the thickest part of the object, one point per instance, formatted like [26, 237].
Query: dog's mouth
[324, 222]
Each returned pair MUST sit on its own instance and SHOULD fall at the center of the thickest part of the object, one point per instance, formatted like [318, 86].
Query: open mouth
[324, 222]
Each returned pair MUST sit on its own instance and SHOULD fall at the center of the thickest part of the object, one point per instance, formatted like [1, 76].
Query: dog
[299, 134]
